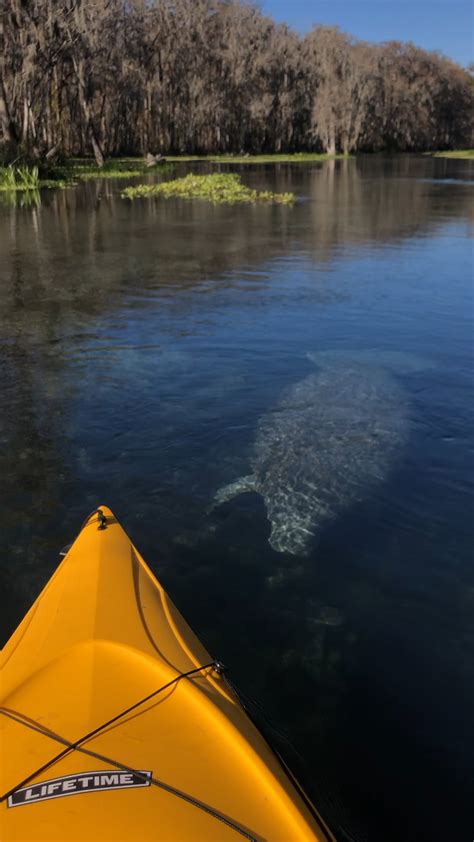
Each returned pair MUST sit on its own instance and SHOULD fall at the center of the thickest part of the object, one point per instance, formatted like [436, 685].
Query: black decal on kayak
[77, 785]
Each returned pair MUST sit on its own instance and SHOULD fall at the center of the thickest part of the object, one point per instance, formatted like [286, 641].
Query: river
[141, 346]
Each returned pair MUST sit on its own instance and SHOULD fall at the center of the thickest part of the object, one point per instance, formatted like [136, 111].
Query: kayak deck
[103, 735]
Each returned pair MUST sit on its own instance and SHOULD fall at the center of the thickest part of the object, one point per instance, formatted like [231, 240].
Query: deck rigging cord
[90, 734]
[195, 802]
[77, 745]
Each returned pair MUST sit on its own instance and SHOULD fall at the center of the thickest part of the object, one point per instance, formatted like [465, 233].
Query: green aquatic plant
[249, 158]
[274, 158]
[19, 178]
[56, 182]
[67, 174]
[455, 153]
[87, 175]
[26, 180]
[118, 168]
[218, 188]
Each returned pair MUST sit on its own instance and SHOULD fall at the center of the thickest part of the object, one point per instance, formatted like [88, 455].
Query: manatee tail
[228, 492]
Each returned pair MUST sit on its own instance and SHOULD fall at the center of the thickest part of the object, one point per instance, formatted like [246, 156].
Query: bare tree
[136, 76]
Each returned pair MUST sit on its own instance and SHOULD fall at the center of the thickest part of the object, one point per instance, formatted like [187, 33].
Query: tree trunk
[98, 154]
[8, 131]
[6, 124]
[331, 143]
[26, 120]
[86, 110]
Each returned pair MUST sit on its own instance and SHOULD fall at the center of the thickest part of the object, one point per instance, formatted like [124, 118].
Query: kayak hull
[117, 724]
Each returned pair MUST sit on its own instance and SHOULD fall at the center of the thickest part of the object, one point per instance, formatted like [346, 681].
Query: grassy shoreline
[131, 167]
[26, 177]
[73, 170]
[275, 158]
[43, 184]
[20, 179]
[67, 174]
[462, 154]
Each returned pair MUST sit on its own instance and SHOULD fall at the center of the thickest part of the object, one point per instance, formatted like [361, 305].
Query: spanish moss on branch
[109, 77]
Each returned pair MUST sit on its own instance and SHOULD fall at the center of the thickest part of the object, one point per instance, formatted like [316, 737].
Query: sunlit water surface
[152, 352]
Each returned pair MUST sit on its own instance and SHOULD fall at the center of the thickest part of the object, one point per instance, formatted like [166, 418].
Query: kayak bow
[116, 724]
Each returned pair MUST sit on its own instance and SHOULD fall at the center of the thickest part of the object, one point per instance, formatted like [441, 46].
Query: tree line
[115, 77]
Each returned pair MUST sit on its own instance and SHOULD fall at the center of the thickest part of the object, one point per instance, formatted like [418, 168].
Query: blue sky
[445, 25]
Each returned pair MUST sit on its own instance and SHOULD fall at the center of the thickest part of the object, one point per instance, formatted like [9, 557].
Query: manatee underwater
[331, 437]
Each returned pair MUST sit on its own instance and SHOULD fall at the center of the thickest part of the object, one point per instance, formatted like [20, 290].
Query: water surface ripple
[148, 355]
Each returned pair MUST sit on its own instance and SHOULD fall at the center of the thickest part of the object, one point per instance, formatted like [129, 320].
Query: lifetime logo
[77, 785]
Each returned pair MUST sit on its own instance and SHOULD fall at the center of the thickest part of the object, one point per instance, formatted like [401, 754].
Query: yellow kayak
[116, 724]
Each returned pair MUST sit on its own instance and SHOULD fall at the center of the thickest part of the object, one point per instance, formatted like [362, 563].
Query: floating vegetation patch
[218, 188]
[107, 174]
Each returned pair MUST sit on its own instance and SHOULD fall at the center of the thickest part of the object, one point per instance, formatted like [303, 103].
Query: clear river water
[153, 352]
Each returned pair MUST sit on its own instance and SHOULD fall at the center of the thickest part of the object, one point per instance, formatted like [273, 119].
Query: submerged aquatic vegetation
[219, 188]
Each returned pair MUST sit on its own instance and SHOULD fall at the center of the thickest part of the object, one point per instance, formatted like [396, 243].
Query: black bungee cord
[77, 745]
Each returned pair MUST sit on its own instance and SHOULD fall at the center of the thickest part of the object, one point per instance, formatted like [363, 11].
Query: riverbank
[132, 166]
[275, 158]
[23, 178]
[71, 171]
[464, 154]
